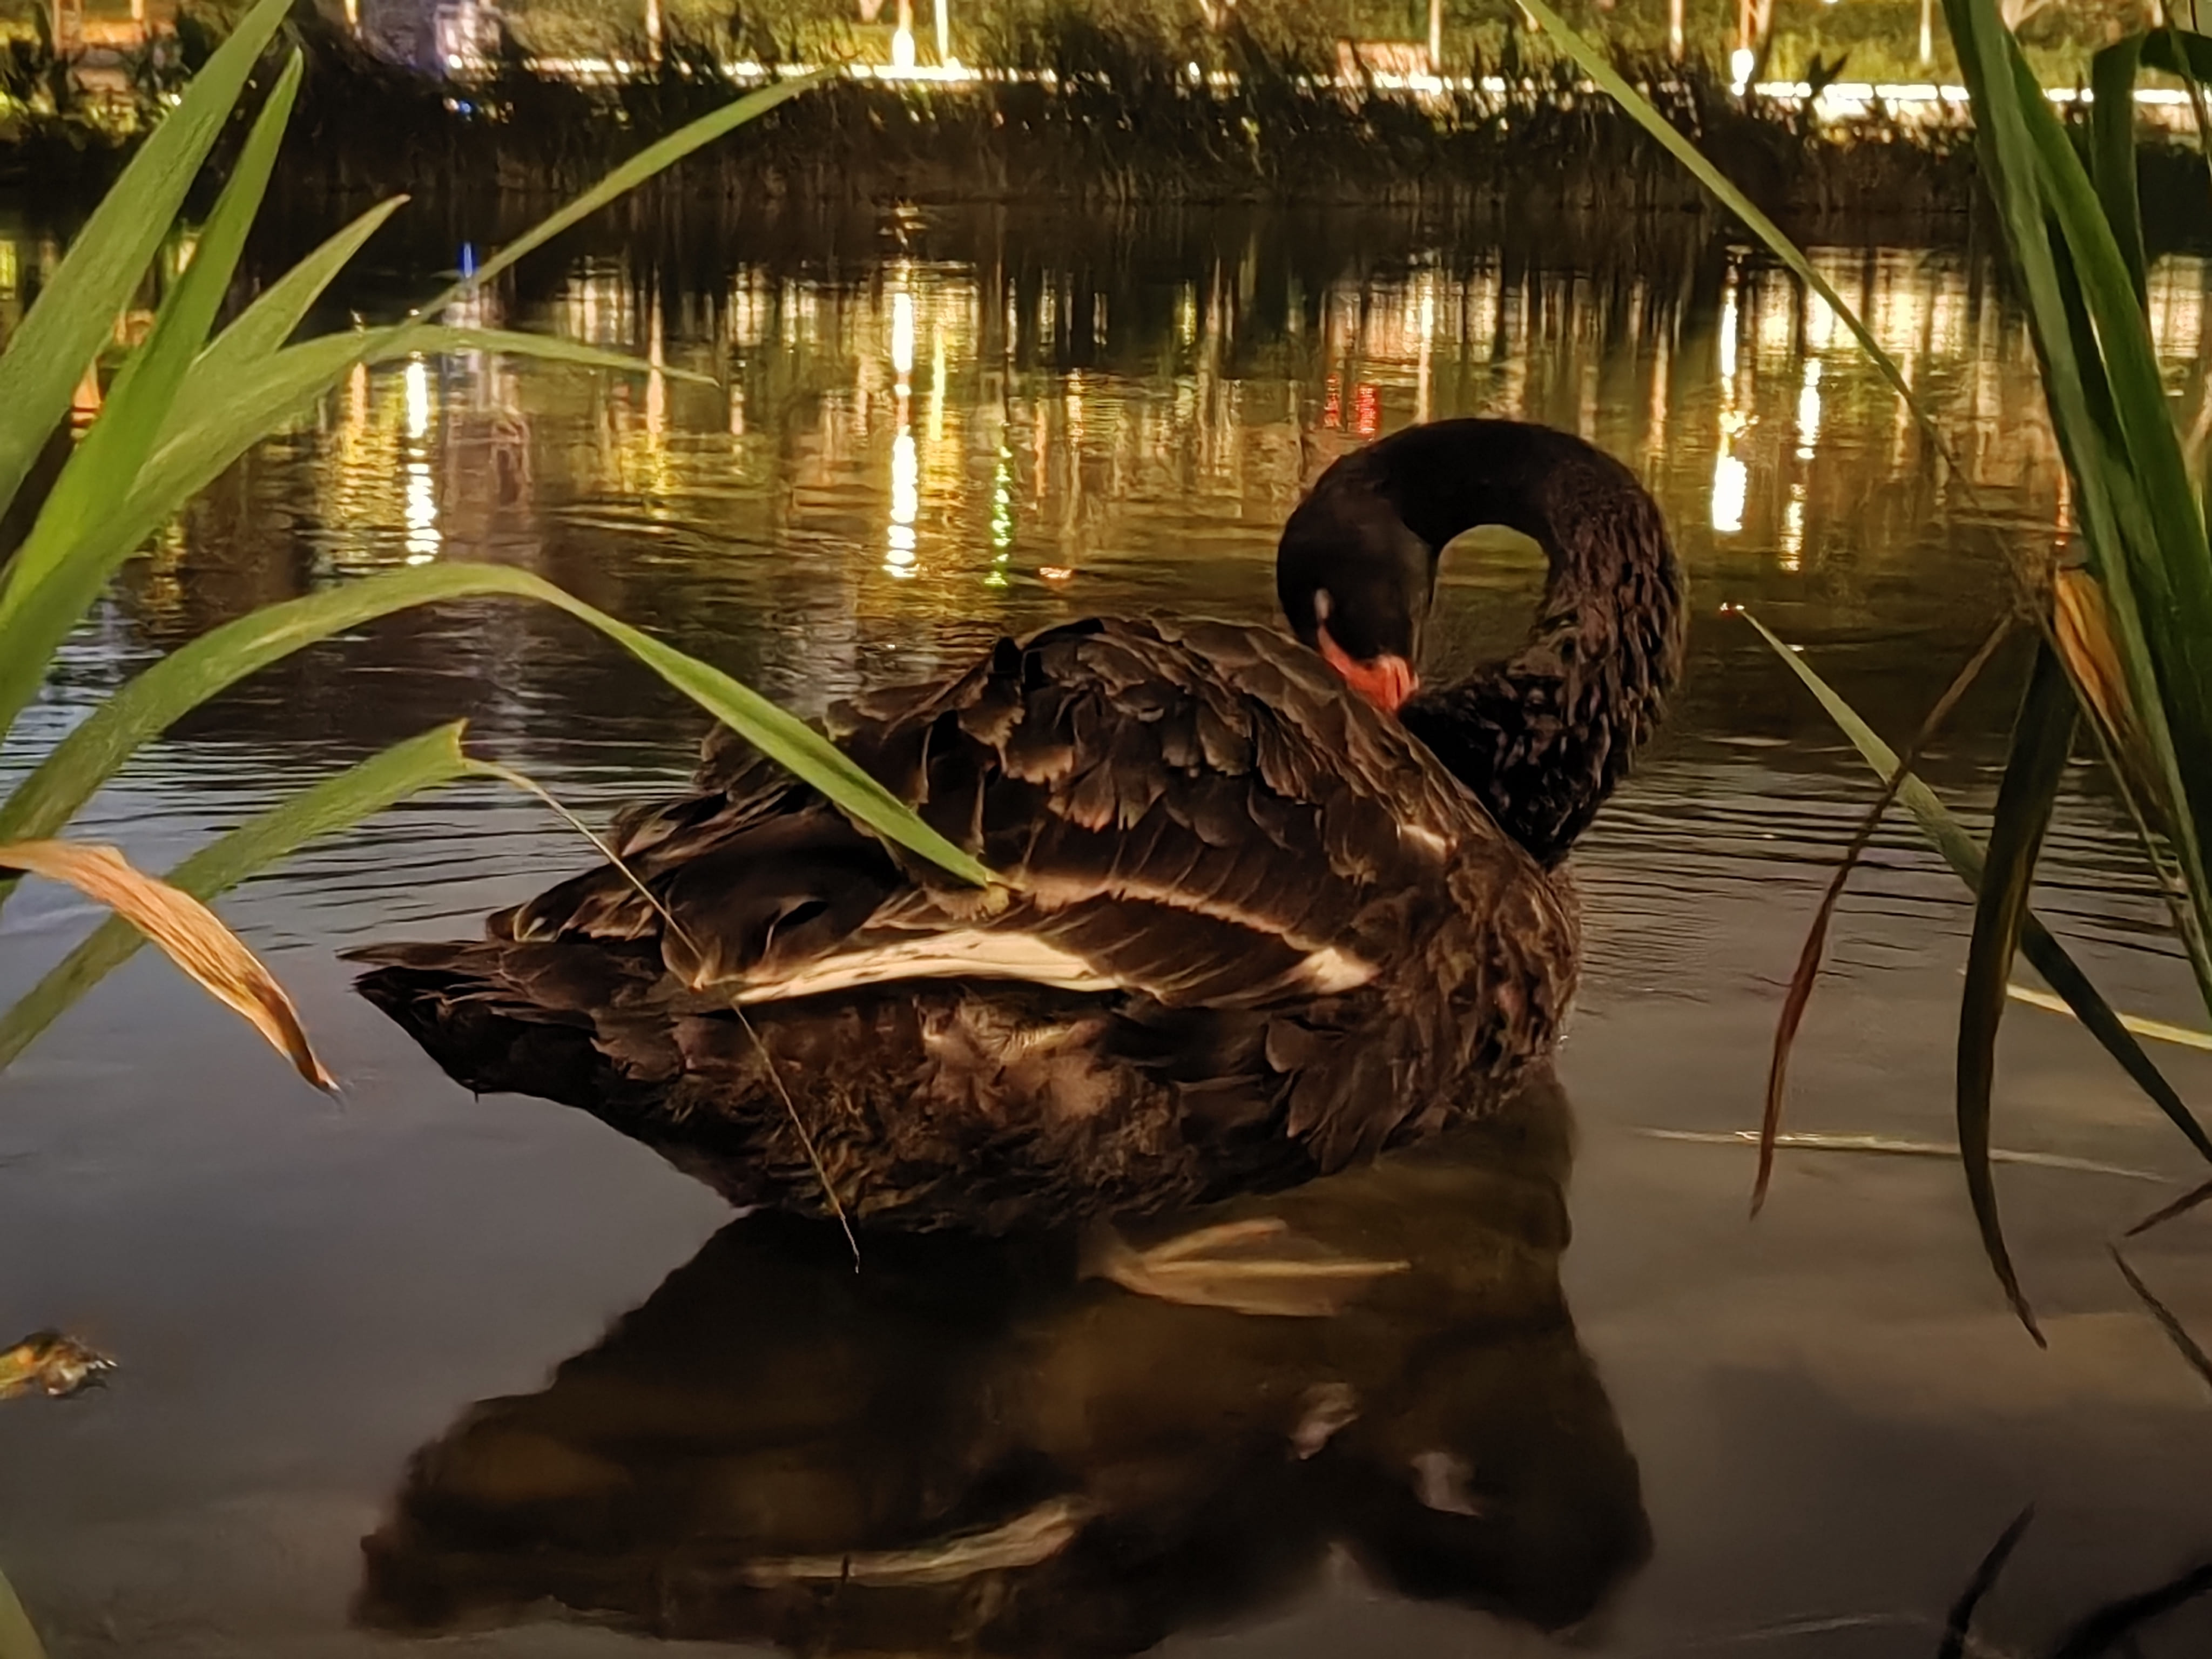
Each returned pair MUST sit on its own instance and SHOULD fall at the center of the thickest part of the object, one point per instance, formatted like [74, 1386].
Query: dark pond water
[574, 1404]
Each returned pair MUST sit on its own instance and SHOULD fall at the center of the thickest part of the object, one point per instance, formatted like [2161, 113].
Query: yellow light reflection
[1731, 484]
[422, 540]
[1731, 479]
[656, 382]
[906, 503]
[1808, 410]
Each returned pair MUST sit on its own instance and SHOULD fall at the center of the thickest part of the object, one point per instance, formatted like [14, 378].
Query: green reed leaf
[2112, 146]
[50, 349]
[55, 574]
[2140, 516]
[2042, 741]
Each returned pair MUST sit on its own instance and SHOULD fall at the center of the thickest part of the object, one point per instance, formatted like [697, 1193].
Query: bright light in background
[1739, 63]
[419, 397]
[903, 48]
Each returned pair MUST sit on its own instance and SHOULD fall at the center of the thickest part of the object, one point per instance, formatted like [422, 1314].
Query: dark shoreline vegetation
[1123, 124]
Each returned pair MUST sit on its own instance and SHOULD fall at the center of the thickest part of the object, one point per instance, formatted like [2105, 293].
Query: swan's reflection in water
[966, 1447]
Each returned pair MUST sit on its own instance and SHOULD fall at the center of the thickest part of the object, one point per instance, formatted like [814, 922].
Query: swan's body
[1258, 929]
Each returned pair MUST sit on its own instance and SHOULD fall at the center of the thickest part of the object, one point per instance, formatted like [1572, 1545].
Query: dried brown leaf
[192, 935]
[2081, 628]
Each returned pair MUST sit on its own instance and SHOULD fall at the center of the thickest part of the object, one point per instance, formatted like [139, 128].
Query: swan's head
[1356, 585]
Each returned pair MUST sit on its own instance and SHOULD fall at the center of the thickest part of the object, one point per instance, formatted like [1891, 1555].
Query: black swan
[1259, 928]
[962, 1450]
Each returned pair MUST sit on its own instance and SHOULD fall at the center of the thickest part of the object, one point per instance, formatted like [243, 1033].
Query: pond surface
[864, 448]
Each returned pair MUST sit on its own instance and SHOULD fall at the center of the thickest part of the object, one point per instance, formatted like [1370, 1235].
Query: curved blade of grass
[192, 935]
[654, 158]
[2042, 742]
[192, 673]
[1816, 937]
[337, 803]
[1595, 64]
[2112, 146]
[1964, 854]
[132, 417]
[46, 354]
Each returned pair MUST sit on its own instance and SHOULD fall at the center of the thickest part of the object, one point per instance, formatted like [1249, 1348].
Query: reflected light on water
[1731, 479]
[906, 459]
[1047, 442]
[903, 334]
[906, 502]
[1731, 484]
[421, 514]
[419, 397]
[421, 539]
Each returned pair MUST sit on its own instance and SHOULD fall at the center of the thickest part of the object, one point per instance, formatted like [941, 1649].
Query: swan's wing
[1198, 813]
[1267, 897]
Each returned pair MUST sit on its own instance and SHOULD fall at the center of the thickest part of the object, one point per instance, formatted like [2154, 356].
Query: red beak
[1386, 682]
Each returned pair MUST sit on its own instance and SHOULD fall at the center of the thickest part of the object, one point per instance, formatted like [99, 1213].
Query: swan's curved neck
[1544, 737]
